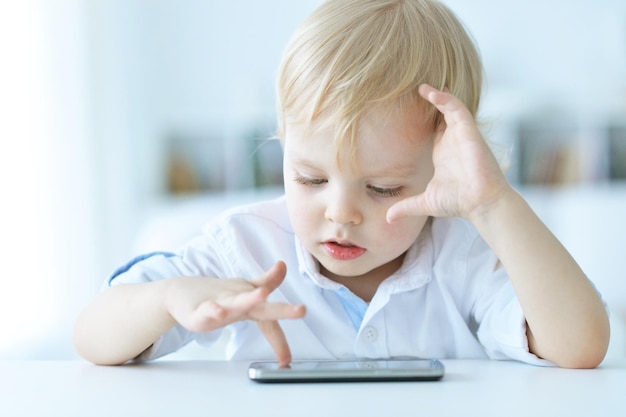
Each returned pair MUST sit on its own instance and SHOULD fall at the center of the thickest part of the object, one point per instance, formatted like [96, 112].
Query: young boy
[398, 230]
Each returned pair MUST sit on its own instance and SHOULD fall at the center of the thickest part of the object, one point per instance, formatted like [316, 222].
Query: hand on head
[467, 176]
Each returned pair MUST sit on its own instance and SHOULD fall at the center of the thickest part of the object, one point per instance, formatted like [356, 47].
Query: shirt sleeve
[497, 311]
[502, 330]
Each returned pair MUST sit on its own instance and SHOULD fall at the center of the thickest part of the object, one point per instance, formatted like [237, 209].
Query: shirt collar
[309, 267]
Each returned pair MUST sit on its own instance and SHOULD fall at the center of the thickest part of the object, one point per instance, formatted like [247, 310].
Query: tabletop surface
[186, 388]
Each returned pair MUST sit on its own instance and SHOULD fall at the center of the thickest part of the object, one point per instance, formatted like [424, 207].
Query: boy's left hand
[467, 177]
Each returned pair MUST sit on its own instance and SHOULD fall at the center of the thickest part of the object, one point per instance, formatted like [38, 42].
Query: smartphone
[360, 370]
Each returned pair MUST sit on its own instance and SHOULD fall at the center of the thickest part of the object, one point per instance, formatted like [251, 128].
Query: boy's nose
[344, 211]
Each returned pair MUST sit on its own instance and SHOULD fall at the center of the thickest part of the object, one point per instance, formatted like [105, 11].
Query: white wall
[48, 227]
[567, 55]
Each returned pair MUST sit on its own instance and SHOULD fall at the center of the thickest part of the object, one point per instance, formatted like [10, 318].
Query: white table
[208, 388]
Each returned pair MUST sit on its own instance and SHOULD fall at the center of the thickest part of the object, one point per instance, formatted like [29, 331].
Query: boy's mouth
[342, 250]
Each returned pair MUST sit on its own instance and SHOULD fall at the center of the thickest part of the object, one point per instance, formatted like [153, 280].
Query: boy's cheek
[407, 228]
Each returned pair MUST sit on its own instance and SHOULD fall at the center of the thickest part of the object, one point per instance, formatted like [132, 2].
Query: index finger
[453, 109]
[411, 206]
[273, 277]
[277, 340]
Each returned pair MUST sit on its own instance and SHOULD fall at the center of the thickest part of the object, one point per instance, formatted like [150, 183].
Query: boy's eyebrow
[403, 170]
[302, 161]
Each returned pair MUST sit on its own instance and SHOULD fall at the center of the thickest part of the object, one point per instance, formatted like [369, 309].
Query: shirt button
[369, 334]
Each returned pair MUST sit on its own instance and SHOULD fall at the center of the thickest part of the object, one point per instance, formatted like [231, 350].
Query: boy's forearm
[122, 322]
[567, 321]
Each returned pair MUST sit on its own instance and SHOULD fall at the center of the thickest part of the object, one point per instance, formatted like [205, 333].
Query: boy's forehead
[385, 141]
[399, 115]
[413, 119]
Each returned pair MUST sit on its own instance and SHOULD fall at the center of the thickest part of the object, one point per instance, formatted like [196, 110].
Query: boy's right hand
[203, 304]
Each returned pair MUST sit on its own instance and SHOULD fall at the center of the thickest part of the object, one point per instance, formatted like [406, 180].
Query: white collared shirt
[451, 298]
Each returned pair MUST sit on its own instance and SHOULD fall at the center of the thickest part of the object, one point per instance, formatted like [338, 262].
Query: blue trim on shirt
[354, 306]
[134, 261]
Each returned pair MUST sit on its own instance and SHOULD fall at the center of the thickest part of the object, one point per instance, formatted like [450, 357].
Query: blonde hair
[350, 55]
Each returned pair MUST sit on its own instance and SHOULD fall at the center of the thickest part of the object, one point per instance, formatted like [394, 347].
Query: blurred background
[126, 124]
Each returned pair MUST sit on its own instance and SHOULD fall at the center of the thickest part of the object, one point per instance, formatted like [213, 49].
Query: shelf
[564, 153]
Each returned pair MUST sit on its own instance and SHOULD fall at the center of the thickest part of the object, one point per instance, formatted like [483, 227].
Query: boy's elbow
[589, 353]
[97, 357]
[86, 346]
[584, 348]
[587, 360]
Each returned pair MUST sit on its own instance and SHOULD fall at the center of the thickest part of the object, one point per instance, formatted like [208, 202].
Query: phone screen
[348, 370]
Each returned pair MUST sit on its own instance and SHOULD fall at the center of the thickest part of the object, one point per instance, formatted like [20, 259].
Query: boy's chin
[344, 269]
[331, 270]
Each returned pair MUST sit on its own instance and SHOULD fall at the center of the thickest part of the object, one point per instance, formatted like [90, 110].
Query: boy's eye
[309, 181]
[386, 192]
